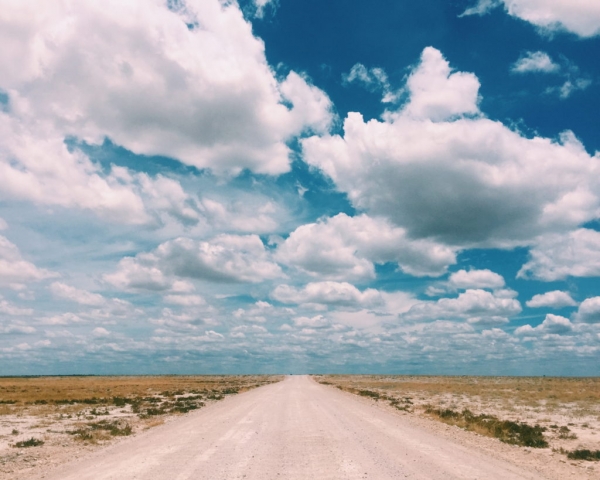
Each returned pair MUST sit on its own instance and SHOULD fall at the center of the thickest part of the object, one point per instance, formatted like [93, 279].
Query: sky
[299, 186]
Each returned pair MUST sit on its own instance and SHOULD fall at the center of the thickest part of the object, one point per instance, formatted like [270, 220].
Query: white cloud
[556, 257]
[482, 7]
[249, 214]
[475, 306]
[373, 79]
[190, 83]
[464, 279]
[185, 300]
[438, 94]
[317, 321]
[261, 6]
[100, 332]
[466, 182]
[552, 324]
[589, 311]
[345, 248]
[35, 165]
[555, 299]
[15, 270]
[570, 86]
[76, 295]
[535, 62]
[12, 310]
[329, 293]
[3, 224]
[581, 17]
[17, 328]
[67, 318]
[226, 258]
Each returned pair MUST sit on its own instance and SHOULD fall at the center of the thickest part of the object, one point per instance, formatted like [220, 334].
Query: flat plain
[563, 413]
[334, 427]
[46, 421]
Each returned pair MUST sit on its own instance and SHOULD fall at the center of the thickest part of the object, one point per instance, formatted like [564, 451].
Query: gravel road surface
[295, 429]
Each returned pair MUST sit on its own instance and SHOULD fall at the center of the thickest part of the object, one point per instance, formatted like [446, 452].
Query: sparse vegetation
[505, 430]
[516, 410]
[32, 442]
[80, 412]
[580, 454]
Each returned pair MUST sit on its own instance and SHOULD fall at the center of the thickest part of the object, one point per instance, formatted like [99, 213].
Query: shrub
[505, 430]
[32, 442]
[584, 455]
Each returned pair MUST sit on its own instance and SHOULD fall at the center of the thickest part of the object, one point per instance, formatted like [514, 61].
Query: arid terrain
[325, 427]
[46, 421]
[548, 416]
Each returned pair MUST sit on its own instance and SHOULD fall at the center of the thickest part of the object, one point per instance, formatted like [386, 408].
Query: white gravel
[295, 429]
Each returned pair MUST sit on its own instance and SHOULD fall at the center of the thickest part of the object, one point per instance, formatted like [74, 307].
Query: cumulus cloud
[36, 165]
[465, 181]
[344, 248]
[318, 321]
[589, 311]
[556, 257]
[328, 293]
[83, 297]
[14, 270]
[464, 279]
[226, 258]
[552, 324]
[555, 299]
[100, 332]
[190, 82]
[12, 310]
[438, 94]
[580, 17]
[475, 306]
[535, 62]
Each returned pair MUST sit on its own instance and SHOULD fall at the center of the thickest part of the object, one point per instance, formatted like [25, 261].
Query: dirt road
[295, 429]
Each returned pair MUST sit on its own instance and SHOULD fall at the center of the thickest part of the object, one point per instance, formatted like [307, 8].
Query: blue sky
[300, 186]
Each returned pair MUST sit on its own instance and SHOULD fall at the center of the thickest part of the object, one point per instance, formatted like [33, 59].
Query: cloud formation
[190, 82]
[552, 324]
[476, 306]
[346, 248]
[464, 279]
[226, 258]
[14, 270]
[535, 62]
[554, 299]
[589, 311]
[462, 181]
[328, 293]
[558, 256]
[579, 17]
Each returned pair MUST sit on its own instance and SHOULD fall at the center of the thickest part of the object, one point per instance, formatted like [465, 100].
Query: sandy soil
[553, 403]
[100, 411]
[299, 429]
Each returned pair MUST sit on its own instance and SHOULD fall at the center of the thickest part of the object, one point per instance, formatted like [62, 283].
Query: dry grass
[557, 410]
[29, 390]
[77, 413]
[522, 390]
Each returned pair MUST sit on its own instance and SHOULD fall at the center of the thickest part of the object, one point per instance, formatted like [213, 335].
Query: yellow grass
[50, 389]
